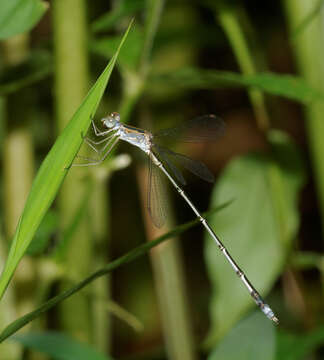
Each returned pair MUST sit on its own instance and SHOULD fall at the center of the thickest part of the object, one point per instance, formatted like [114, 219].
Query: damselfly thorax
[137, 137]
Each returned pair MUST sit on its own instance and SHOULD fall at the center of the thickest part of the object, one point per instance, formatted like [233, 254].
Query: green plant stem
[309, 18]
[308, 48]
[18, 172]
[167, 264]
[134, 83]
[8, 313]
[170, 284]
[101, 289]
[123, 260]
[71, 85]
[153, 15]
[229, 19]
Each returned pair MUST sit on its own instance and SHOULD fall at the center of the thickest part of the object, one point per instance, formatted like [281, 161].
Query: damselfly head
[111, 120]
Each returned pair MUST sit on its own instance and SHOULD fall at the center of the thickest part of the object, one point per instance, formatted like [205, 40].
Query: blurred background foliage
[257, 65]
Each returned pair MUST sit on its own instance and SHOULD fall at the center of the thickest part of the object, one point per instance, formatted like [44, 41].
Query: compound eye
[107, 122]
[115, 115]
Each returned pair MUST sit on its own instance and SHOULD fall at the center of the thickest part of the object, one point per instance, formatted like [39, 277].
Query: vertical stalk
[229, 20]
[134, 82]
[169, 283]
[308, 48]
[8, 313]
[101, 287]
[18, 174]
[153, 14]
[71, 85]
[167, 261]
[18, 171]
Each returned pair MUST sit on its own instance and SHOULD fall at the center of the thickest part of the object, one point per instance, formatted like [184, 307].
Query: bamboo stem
[101, 288]
[167, 263]
[18, 172]
[308, 48]
[71, 85]
[170, 283]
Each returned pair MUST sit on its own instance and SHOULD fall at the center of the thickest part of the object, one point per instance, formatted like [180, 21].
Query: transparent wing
[194, 166]
[162, 154]
[156, 202]
[203, 128]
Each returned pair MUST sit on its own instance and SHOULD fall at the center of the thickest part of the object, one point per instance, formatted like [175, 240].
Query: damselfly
[205, 128]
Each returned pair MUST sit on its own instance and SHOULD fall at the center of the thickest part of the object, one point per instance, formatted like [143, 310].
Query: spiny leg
[100, 151]
[93, 143]
[95, 129]
[96, 142]
[99, 161]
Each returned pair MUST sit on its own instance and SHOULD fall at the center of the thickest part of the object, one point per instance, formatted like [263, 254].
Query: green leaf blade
[53, 171]
[123, 260]
[18, 16]
[289, 86]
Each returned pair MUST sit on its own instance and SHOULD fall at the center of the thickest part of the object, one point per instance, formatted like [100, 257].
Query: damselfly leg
[98, 132]
[112, 141]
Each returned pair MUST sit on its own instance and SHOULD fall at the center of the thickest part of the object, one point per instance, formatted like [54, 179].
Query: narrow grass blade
[53, 171]
[123, 260]
[289, 86]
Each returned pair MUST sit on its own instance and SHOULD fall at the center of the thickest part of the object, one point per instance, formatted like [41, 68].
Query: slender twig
[123, 260]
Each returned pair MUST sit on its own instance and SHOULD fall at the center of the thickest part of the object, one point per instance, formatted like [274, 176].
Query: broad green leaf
[53, 171]
[37, 67]
[257, 229]
[252, 339]
[289, 86]
[125, 259]
[18, 16]
[123, 9]
[297, 346]
[59, 346]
